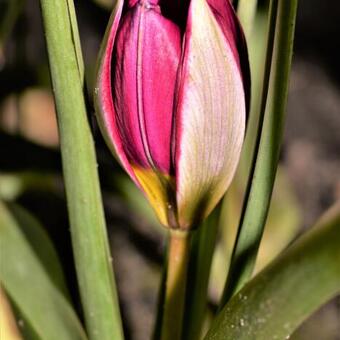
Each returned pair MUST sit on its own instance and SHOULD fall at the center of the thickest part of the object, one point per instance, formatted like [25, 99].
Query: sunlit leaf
[41, 244]
[276, 301]
[85, 209]
[267, 151]
[8, 326]
[27, 282]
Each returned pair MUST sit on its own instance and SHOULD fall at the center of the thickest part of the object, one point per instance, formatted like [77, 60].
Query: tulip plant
[173, 101]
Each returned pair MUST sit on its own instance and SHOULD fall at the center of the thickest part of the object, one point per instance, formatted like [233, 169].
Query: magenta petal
[103, 92]
[232, 30]
[170, 99]
[146, 57]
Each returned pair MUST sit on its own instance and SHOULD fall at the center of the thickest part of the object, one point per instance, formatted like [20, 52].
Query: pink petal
[105, 111]
[146, 57]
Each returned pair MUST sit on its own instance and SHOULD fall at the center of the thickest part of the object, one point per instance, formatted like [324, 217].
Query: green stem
[177, 266]
[201, 255]
[88, 229]
[267, 150]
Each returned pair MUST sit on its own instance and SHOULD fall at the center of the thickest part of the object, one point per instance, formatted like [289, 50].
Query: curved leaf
[41, 244]
[267, 149]
[29, 286]
[281, 297]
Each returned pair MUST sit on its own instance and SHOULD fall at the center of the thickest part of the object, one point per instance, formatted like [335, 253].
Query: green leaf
[276, 301]
[41, 244]
[29, 285]
[246, 11]
[267, 151]
[76, 39]
[282, 226]
[88, 228]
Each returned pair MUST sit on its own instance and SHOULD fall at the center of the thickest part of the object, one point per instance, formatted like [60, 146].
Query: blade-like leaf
[282, 296]
[42, 246]
[246, 10]
[76, 39]
[30, 287]
[267, 151]
[88, 228]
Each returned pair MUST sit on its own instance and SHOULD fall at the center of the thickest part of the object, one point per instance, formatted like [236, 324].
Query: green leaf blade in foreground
[276, 301]
[267, 151]
[30, 287]
[41, 244]
[88, 228]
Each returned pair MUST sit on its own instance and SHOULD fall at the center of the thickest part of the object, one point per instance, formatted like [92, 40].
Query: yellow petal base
[155, 188]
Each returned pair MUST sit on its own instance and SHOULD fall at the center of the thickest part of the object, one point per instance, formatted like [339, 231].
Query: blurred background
[30, 169]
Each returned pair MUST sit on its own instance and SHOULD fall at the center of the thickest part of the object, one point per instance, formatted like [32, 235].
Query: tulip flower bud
[172, 94]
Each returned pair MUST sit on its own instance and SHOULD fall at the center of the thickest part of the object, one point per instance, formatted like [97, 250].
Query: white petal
[210, 118]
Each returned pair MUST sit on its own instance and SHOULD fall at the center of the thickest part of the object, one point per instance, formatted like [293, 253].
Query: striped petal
[105, 111]
[232, 30]
[135, 91]
[146, 57]
[210, 116]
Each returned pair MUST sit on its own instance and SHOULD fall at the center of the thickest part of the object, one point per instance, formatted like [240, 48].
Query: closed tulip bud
[172, 94]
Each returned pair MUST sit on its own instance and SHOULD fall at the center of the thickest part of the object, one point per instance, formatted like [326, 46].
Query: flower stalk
[175, 286]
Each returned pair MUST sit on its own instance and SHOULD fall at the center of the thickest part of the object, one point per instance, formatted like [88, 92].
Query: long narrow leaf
[246, 10]
[276, 301]
[261, 182]
[76, 39]
[42, 246]
[29, 285]
[88, 229]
